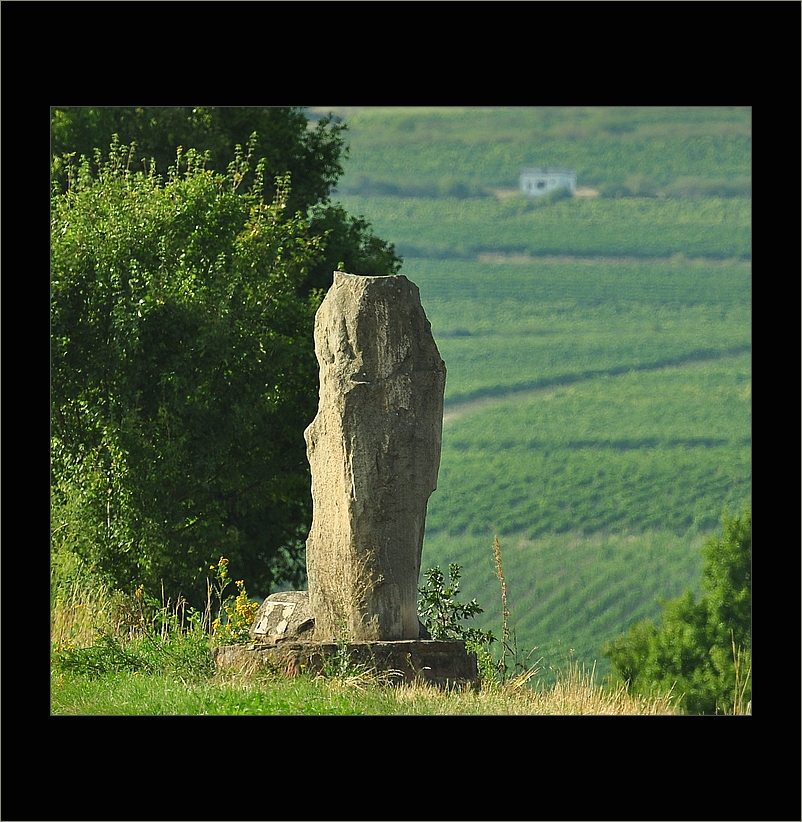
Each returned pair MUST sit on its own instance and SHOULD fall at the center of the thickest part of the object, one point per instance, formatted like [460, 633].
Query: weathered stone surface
[445, 663]
[283, 616]
[287, 616]
[374, 451]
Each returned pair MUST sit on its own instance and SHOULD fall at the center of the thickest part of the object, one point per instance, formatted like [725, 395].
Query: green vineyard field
[671, 150]
[599, 404]
[637, 227]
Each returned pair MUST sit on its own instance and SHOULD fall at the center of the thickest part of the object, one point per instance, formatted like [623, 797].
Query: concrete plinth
[445, 663]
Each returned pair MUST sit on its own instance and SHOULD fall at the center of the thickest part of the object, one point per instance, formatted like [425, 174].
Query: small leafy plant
[441, 612]
[439, 609]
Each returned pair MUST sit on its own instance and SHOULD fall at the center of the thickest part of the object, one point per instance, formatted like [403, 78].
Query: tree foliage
[182, 372]
[285, 141]
[702, 649]
[312, 156]
[185, 273]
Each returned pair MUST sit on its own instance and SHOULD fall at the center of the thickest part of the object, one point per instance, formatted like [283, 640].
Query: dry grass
[575, 694]
[76, 613]
[362, 679]
[742, 659]
[83, 607]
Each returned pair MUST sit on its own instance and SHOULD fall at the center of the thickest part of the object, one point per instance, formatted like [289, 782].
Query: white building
[536, 181]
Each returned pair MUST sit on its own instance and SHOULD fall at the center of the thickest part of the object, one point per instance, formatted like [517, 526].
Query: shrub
[702, 650]
[240, 613]
[182, 357]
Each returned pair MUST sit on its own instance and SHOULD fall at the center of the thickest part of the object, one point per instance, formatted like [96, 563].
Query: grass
[159, 667]
[129, 694]
[576, 693]
[82, 603]
[110, 664]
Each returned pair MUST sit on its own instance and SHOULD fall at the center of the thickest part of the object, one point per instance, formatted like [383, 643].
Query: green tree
[727, 581]
[312, 156]
[701, 649]
[182, 372]
[285, 141]
[350, 242]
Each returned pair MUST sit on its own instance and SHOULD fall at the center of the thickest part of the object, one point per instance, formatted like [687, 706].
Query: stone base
[445, 663]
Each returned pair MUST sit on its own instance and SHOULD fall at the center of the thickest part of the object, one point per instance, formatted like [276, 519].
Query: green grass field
[606, 407]
[576, 692]
[639, 227]
[667, 149]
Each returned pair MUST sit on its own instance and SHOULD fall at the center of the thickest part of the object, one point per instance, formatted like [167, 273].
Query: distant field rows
[615, 417]
[490, 148]
[641, 451]
[443, 228]
[503, 258]
[491, 396]
[509, 327]
[490, 164]
[377, 124]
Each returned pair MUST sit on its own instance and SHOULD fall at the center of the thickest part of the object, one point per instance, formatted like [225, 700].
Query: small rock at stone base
[282, 616]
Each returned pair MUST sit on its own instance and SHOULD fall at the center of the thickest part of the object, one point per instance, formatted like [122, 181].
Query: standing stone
[374, 451]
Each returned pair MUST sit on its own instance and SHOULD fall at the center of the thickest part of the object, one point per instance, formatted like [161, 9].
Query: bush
[636, 185]
[181, 366]
[702, 650]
